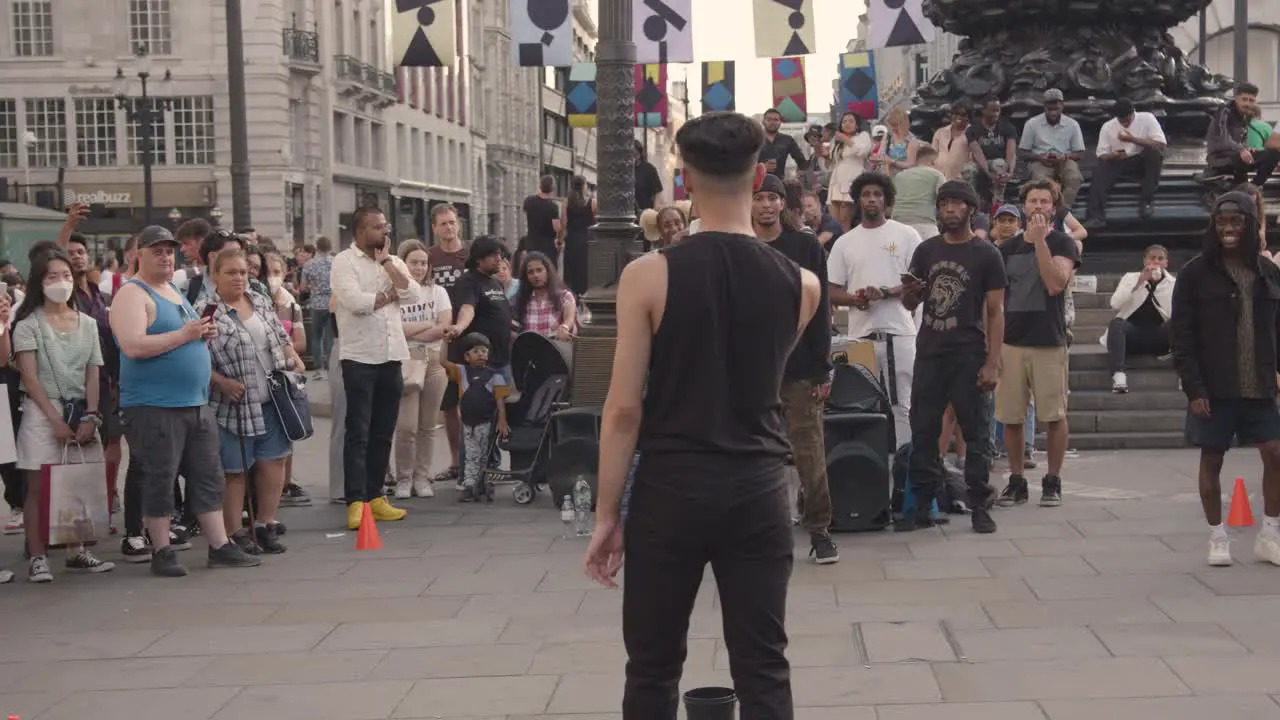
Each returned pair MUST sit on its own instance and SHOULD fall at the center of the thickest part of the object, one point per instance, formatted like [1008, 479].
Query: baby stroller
[540, 370]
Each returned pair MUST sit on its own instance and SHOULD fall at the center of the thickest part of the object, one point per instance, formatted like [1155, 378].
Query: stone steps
[1151, 415]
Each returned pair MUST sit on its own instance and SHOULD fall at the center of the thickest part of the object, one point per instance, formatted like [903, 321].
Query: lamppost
[215, 214]
[29, 143]
[175, 216]
[144, 110]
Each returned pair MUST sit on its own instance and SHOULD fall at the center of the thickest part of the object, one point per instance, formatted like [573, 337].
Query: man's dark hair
[79, 239]
[639, 147]
[1155, 248]
[40, 248]
[1246, 88]
[324, 244]
[772, 111]
[245, 230]
[1049, 186]
[1122, 109]
[215, 241]
[357, 217]
[546, 184]
[988, 100]
[309, 249]
[195, 229]
[867, 179]
[481, 248]
[721, 144]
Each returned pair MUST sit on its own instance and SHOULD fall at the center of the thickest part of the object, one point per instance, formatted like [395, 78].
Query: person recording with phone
[1130, 143]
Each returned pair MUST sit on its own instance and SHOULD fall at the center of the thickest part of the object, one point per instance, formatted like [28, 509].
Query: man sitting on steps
[1143, 302]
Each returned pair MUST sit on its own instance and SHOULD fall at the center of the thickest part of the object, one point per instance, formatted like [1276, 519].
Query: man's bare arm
[128, 320]
[995, 327]
[810, 298]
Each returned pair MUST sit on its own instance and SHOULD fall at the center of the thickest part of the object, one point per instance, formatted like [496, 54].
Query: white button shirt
[1145, 126]
[369, 336]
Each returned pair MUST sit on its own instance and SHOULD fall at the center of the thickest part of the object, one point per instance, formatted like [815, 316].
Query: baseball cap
[155, 235]
[773, 184]
[1053, 95]
[1009, 209]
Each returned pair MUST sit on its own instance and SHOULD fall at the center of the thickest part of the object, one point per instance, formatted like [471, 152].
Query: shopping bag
[73, 497]
[8, 444]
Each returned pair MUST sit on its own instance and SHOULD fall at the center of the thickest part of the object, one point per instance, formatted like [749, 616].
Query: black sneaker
[1051, 491]
[279, 528]
[244, 541]
[982, 522]
[823, 549]
[178, 538]
[230, 555]
[164, 563]
[135, 549]
[1029, 459]
[1015, 493]
[913, 522]
[268, 540]
[294, 496]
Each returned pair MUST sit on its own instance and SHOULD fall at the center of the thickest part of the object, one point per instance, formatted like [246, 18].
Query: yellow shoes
[382, 511]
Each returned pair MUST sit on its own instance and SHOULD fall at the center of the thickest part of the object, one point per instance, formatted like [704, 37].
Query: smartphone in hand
[209, 312]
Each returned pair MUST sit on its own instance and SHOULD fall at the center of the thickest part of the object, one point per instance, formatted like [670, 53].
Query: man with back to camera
[807, 380]
[865, 274]
[711, 483]
[960, 280]
[1225, 351]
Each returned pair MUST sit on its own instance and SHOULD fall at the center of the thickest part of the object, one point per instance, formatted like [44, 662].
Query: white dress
[849, 163]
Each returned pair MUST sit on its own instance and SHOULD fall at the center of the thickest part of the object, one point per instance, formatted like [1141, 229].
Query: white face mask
[275, 282]
[58, 292]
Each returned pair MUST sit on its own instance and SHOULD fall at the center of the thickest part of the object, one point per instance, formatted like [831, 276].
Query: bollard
[711, 703]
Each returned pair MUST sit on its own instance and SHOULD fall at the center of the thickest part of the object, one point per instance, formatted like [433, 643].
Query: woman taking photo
[425, 317]
[290, 314]
[250, 343]
[543, 304]
[897, 149]
[59, 359]
[850, 147]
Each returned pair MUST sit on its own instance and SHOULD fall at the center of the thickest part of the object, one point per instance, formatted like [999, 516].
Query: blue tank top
[176, 379]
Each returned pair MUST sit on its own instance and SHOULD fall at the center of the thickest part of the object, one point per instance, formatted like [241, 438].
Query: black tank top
[712, 423]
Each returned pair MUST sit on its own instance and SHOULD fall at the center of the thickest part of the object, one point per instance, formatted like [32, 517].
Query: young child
[482, 392]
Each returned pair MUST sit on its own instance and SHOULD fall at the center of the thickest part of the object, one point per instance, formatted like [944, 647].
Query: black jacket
[1206, 308]
[1227, 136]
[811, 358]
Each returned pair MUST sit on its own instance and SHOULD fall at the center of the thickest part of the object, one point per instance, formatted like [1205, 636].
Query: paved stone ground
[1100, 609]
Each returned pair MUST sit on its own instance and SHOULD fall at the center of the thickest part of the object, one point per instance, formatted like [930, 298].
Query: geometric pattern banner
[896, 23]
[541, 33]
[858, 85]
[788, 88]
[662, 30]
[718, 88]
[784, 28]
[422, 33]
[580, 95]
[651, 96]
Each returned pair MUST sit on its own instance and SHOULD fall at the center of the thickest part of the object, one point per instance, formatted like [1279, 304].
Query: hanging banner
[857, 86]
[788, 89]
[895, 23]
[422, 33]
[678, 191]
[718, 90]
[651, 96]
[662, 31]
[784, 28]
[580, 95]
[541, 33]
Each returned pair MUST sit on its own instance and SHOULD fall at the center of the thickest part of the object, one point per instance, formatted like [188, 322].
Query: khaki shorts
[1039, 372]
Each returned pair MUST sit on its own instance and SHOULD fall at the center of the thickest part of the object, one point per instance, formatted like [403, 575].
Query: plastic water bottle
[567, 516]
[582, 507]
[584, 315]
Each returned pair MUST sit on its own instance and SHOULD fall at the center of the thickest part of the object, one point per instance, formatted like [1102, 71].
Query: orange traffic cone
[367, 536]
[1241, 514]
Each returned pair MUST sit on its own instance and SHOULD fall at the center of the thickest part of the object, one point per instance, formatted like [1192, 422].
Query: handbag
[73, 409]
[73, 501]
[414, 371]
[288, 395]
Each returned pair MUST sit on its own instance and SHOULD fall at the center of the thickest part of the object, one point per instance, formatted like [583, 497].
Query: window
[149, 25]
[8, 133]
[339, 41]
[341, 142]
[378, 145]
[375, 47]
[47, 119]
[133, 141]
[299, 132]
[32, 28]
[193, 130]
[96, 132]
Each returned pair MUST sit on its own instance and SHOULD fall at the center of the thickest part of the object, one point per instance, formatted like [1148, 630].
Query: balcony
[302, 49]
[350, 74]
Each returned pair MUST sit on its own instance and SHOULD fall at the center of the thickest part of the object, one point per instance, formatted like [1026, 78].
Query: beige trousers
[416, 425]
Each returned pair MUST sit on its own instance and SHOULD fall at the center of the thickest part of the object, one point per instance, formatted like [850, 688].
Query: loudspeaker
[574, 451]
[858, 470]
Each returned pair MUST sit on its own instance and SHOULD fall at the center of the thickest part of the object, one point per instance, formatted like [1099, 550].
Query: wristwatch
[885, 292]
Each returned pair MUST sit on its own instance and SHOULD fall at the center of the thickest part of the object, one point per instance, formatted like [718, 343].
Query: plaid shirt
[540, 314]
[236, 357]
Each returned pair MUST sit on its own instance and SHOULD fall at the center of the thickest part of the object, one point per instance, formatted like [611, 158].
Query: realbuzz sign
[101, 197]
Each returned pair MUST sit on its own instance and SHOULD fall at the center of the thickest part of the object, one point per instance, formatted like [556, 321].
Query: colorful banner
[896, 23]
[541, 33]
[580, 95]
[788, 89]
[784, 28]
[857, 85]
[718, 89]
[678, 192]
[651, 96]
[662, 31]
[422, 33]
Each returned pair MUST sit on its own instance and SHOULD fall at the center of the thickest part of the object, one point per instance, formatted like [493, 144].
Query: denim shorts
[273, 445]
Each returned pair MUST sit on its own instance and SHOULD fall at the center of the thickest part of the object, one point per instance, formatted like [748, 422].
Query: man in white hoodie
[1142, 301]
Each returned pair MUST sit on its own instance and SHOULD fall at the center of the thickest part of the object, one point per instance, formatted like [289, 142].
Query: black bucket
[711, 703]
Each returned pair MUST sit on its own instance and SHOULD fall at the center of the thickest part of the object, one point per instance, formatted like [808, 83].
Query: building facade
[567, 151]
[900, 70]
[1264, 47]
[512, 106]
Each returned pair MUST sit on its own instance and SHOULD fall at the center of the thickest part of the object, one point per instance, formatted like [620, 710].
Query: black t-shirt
[993, 142]
[957, 278]
[811, 358]
[1147, 314]
[477, 402]
[492, 318]
[446, 269]
[541, 213]
[1033, 317]
[829, 224]
[778, 150]
[648, 185]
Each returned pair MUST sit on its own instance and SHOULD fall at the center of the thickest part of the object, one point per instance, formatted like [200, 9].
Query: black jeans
[1146, 166]
[1125, 339]
[373, 402]
[13, 485]
[669, 540]
[1263, 166]
[938, 381]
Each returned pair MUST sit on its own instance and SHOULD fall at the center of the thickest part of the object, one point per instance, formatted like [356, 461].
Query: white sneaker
[14, 525]
[6, 576]
[1220, 551]
[423, 488]
[1267, 547]
[1119, 382]
[38, 571]
[404, 490]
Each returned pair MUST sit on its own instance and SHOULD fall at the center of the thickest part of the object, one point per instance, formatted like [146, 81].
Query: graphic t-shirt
[993, 141]
[446, 269]
[431, 302]
[1032, 317]
[875, 258]
[957, 278]
[493, 314]
[479, 391]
